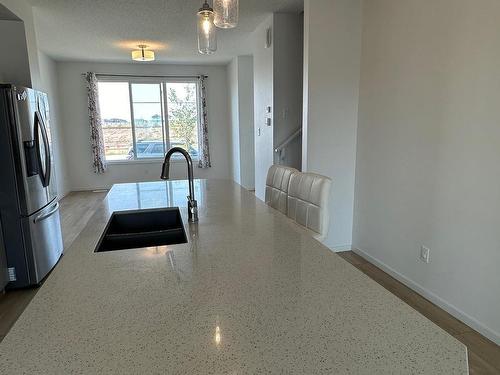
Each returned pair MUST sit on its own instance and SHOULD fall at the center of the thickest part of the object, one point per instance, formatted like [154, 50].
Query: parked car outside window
[155, 150]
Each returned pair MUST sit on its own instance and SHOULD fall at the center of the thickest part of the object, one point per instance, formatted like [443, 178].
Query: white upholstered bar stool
[278, 178]
[308, 199]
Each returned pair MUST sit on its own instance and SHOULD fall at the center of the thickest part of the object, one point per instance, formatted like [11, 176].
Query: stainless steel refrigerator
[29, 210]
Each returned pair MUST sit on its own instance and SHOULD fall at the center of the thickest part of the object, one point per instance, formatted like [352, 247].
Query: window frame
[162, 81]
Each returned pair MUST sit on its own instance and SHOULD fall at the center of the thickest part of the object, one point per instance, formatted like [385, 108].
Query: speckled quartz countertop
[250, 293]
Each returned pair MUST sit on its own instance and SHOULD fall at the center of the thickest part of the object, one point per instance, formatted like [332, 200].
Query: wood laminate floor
[78, 207]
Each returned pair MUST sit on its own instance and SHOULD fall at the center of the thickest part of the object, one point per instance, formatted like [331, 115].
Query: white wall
[429, 151]
[24, 11]
[234, 118]
[14, 63]
[49, 84]
[241, 107]
[263, 97]
[332, 45]
[246, 112]
[74, 118]
[288, 85]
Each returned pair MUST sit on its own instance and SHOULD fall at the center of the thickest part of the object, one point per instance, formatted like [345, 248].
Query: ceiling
[107, 30]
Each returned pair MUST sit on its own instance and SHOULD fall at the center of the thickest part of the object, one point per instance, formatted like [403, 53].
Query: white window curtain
[96, 137]
[204, 150]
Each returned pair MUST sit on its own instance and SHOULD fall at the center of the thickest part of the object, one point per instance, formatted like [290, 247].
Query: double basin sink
[142, 228]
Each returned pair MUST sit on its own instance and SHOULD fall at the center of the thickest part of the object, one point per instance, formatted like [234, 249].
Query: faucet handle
[192, 210]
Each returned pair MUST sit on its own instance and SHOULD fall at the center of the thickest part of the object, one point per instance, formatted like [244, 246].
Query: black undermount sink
[142, 228]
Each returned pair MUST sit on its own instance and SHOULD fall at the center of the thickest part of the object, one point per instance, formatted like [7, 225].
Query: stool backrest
[308, 200]
[278, 178]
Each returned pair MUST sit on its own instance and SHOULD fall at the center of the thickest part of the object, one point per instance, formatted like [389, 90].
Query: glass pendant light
[226, 13]
[207, 40]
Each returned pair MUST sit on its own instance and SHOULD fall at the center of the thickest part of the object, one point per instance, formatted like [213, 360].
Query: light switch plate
[425, 254]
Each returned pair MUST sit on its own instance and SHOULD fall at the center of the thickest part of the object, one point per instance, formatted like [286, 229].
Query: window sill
[147, 161]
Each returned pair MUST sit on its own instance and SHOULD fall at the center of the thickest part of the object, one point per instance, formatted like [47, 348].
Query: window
[142, 119]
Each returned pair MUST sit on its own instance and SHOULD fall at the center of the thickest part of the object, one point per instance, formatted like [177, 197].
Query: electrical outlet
[258, 132]
[425, 254]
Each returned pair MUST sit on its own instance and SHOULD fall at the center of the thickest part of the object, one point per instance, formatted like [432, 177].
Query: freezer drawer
[46, 241]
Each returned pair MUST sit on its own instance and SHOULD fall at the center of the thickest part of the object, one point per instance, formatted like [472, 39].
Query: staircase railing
[282, 146]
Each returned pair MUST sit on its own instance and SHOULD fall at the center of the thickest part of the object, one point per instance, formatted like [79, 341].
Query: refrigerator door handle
[48, 214]
[40, 127]
[48, 160]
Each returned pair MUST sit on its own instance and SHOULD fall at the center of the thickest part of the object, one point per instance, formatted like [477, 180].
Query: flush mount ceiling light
[143, 54]
[207, 39]
[226, 13]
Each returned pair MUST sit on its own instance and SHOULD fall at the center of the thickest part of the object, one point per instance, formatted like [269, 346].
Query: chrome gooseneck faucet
[165, 173]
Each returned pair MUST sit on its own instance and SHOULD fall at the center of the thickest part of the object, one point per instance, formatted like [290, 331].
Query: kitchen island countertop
[250, 293]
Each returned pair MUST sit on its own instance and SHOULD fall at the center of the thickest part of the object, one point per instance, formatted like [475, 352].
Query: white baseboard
[434, 298]
[340, 248]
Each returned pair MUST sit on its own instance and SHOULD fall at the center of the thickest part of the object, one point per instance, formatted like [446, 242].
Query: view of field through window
[164, 114]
